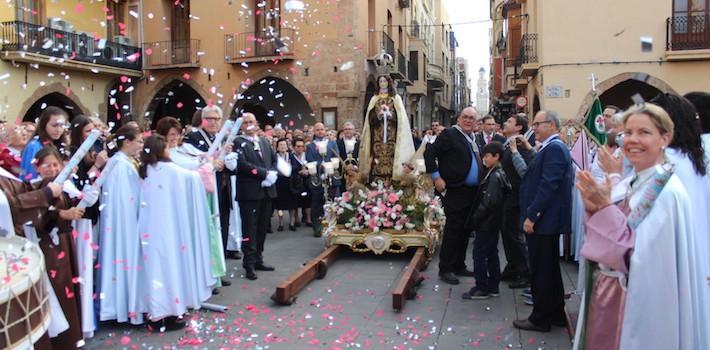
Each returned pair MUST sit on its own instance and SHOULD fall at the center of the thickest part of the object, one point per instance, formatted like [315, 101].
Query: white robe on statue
[119, 244]
[660, 310]
[175, 238]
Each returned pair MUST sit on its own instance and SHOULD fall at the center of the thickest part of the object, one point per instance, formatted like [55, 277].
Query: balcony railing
[178, 53]
[688, 31]
[401, 64]
[243, 46]
[528, 49]
[33, 38]
[379, 41]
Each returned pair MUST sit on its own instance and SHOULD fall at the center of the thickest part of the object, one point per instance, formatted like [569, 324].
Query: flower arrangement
[385, 207]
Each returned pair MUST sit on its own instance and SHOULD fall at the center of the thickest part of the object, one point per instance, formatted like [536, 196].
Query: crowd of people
[638, 212]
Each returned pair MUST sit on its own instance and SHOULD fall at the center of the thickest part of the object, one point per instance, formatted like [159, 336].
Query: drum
[24, 300]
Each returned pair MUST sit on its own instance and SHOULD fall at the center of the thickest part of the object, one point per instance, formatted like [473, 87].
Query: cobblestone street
[351, 308]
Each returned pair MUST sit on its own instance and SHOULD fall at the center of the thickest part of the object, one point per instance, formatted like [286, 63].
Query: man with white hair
[210, 121]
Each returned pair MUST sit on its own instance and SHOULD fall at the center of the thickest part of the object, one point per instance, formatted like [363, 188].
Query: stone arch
[370, 90]
[175, 97]
[274, 100]
[56, 91]
[633, 77]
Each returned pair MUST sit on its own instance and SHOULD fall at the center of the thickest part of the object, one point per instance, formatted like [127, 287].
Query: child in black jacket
[486, 219]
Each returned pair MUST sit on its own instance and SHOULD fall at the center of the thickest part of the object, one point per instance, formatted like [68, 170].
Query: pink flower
[393, 198]
[346, 197]
[372, 224]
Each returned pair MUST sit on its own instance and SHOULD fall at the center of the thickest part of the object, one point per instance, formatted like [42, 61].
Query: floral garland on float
[385, 217]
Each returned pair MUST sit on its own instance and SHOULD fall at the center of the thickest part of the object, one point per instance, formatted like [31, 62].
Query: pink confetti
[52, 273]
[79, 8]
[68, 292]
[125, 340]
[74, 234]
[254, 171]
[179, 105]
[148, 51]
[60, 255]
[186, 76]
[124, 79]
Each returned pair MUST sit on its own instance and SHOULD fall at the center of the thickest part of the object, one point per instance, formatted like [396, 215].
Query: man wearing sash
[202, 139]
[546, 213]
[454, 163]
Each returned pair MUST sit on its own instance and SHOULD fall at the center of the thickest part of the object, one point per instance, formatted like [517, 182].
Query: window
[116, 11]
[330, 119]
[30, 11]
[413, 65]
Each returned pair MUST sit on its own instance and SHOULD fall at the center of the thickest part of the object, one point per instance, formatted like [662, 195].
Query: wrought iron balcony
[379, 42]
[528, 55]
[38, 41]
[172, 54]
[401, 72]
[257, 46]
[688, 31]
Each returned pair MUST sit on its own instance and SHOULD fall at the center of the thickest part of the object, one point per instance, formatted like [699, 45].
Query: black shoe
[448, 277]
[215, 291]
[292, 227]
[464, 273]
[280, 228]
[308, 224]
[298, 224]
[234, 255]
[250, 274]
[262, 267]
[475, 294]
[529, 326]
[225, 282]
[519, 283]
[527, 292]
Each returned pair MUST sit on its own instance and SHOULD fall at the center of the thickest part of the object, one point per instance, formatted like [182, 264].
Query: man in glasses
[454, 163]
[545, 214]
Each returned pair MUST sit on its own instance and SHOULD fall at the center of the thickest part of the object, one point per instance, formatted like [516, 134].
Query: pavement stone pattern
[351, 308]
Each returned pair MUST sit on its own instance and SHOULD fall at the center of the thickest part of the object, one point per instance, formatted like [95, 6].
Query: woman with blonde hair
[643, 290]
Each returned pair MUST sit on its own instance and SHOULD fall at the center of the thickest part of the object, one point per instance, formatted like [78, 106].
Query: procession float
[389, 206]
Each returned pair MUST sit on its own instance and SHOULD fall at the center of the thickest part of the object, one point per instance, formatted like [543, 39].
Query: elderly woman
[643, 289]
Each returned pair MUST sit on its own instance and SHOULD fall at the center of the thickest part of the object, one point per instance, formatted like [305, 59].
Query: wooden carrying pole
[410, 280]
[286, 291]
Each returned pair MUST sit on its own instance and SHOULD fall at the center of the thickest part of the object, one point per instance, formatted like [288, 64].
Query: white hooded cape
[119, 244]
[174, 232]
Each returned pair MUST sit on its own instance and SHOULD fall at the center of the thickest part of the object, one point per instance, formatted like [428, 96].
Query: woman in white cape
[174, 226]
[119, 242]
[644, 249]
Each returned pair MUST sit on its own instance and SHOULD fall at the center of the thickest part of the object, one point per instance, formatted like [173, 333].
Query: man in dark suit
[256, 176]
[210, 121]
[545, 213]
[320, 150]
[454, 163]
[488, 133]
[514, 243]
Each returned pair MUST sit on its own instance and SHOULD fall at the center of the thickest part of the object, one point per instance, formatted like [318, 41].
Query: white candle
[311, 167]
[328, 168]
[335, 162]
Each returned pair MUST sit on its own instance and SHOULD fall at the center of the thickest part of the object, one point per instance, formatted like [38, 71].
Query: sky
[473, 38]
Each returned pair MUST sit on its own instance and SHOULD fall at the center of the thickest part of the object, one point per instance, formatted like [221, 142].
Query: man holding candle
[319, 151]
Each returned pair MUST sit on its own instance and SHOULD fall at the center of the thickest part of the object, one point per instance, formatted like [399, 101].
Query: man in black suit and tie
[348, 148]
[454, 163]
[256, 176]
[545, 213]
[488, 134]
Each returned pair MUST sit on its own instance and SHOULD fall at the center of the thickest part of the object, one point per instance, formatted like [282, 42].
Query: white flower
[397, 227]
[409, 225]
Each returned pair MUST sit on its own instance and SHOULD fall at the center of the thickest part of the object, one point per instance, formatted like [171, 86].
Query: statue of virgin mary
[386, 141]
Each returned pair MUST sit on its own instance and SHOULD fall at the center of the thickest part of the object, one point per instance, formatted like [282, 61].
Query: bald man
[454, 162]
[256, 176]
[321, 149]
